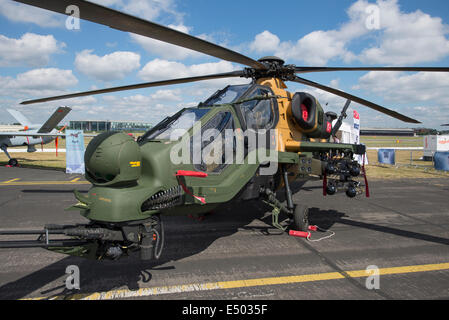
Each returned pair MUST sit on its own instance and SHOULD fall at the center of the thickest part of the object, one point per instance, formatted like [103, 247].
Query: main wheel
[301, 218]
[13, 162]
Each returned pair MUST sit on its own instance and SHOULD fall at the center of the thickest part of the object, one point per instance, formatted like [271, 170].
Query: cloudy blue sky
[40, 57]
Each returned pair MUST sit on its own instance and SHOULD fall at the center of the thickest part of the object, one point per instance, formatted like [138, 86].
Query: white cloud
[19, 12]
[146, 9]
[166, 50]
[114, 66]
[38, 83]
[159, 69]
[403, 38]
[151, 9]
[369, 117]
[167, 95]
[160, 102]
[136, 107]
[39, 113]
[265, 42]
[422, 96]
[147, 108]
[408, 88]
[162, 70]
[317, 47]
[407, 38]
[108, 3]
[30, 50]
[130, 101]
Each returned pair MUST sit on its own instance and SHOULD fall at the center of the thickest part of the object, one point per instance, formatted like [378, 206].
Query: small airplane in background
[32, 134]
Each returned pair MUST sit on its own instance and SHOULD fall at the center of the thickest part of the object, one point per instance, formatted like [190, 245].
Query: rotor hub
[274, 68]
[271, 60]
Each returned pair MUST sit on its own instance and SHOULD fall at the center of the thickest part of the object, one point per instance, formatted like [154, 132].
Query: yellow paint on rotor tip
[185, 288]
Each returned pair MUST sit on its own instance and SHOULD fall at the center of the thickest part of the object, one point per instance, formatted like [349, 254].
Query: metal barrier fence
[412, 150]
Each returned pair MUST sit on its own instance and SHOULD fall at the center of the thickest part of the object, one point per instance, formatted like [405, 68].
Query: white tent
[347, 135]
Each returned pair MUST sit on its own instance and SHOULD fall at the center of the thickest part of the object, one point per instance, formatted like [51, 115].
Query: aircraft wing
[20, 117]
[35, 134]
[54, 120]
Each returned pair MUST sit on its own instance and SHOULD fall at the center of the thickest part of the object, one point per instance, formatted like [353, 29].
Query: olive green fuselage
[122, 202]
[133, 181]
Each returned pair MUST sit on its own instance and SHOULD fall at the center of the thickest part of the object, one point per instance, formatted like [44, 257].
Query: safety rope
[323, 238]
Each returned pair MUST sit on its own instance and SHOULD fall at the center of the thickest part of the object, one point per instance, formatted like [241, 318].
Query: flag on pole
[355, 137]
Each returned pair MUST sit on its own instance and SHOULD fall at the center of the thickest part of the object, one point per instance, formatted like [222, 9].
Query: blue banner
[386, 156]
[442, 161]
[74, 145]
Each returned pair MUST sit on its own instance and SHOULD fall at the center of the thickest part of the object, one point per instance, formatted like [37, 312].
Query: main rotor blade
[412, 69]
[124, 22]
[139, 86]
[367, 103]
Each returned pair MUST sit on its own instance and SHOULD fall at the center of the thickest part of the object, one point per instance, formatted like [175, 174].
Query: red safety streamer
[299, 234]
[325, 184]
[308, 235]
[182, 173]
[366, 179]
[56, 140]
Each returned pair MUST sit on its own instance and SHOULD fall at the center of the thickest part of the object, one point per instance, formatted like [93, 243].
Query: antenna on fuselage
[343, 116]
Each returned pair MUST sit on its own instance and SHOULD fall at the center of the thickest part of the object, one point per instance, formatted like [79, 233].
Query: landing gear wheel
[301, 218]
[13, 162]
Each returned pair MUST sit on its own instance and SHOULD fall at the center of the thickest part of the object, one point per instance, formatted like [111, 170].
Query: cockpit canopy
[256, 114]
[229, 94]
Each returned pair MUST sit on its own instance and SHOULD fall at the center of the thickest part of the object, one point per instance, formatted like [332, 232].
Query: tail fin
[53, 121]
[20, 117]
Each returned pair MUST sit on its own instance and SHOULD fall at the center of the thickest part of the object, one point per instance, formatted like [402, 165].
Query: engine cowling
[309, 116]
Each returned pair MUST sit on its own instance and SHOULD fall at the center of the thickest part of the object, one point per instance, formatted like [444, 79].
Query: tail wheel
[301, 218]
[13, 162]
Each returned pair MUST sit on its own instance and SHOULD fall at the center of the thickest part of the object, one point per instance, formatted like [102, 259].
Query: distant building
[101, 125]
[387, 132]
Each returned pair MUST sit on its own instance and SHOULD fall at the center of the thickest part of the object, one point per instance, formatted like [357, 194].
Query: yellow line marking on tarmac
[145, 292]
[75, 180]
[37, 183]
[9, 181]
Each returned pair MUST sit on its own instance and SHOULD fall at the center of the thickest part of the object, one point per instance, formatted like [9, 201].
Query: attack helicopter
[135, 183]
